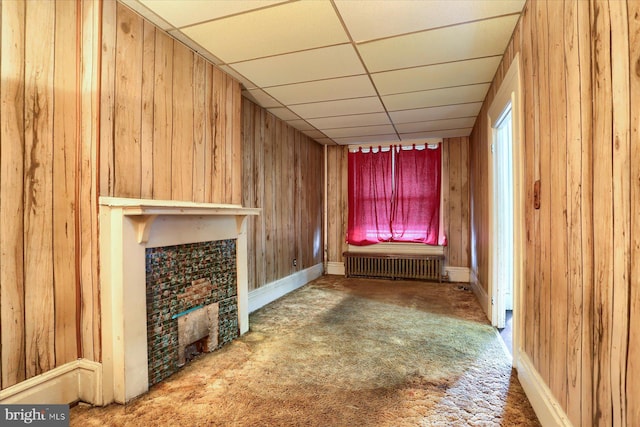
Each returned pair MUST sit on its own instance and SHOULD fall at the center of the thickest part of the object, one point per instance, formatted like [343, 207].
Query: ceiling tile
[323, 90]
[374, 19]
[436, 113]
[350, 121]
[261, 98]
[315, 134]
[436, 97]
[182, 13]
[176, 34]
[359, 131]
[301, 124]
[283, 113]
[437, 76]
[436, 125]
[473, 40]
[248, 84]
[450, 133]
[336, 108]
[316, 64]
[369, 139]
[276, 30]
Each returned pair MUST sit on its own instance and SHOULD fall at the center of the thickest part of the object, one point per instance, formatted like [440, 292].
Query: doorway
[506, 210]
[503, 220]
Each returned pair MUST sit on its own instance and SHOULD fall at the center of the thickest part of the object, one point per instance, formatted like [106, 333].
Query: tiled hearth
[133, 231]
[180, 280]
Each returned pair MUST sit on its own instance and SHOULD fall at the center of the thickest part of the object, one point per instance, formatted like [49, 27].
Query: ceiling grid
[352, 71]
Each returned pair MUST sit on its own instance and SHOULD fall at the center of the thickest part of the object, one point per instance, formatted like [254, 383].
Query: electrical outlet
[295, 262]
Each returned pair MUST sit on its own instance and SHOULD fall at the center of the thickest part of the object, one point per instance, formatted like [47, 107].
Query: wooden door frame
[510, 91]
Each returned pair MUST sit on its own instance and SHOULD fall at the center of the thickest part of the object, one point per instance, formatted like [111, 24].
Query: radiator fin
[423, 267]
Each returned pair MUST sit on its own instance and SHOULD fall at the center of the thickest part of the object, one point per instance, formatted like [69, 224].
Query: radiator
[393, 266]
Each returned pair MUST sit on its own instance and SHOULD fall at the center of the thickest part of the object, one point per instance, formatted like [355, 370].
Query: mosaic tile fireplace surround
[179, 280]
[199, 278]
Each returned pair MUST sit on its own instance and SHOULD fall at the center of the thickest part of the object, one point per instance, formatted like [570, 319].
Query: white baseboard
[336, 268]
[545, 405]
[274, 290]
[458, 274]
[77, 380]
[480, 293]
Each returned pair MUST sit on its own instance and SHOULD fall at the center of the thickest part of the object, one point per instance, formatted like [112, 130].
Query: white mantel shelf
[128, 227]
[144, 211]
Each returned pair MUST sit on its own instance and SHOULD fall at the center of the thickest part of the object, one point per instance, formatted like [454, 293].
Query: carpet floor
[344, 352]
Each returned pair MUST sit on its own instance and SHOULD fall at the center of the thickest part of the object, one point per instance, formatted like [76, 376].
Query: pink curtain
[416, 202]
[410, 212]
[369, 197]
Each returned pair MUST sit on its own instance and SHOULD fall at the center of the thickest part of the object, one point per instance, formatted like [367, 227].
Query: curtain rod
[387, 146]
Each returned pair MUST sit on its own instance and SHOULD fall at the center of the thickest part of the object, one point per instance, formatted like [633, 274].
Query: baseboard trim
[336, 268]
[73, 381]
[545, 405]
[458, 274]
[480, 293]
[274, 290]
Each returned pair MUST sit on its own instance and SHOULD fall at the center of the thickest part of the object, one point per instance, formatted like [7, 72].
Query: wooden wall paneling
[557, 243]
[280, 207]
[209, 121]
[633, 367]
[248, 185]
[455, 202]
[128, 103]
[299, 202]
[260, 193]
[182, 143]
[90, 327]
[621, 207]
[545, 192]
[528, 143]
[463, 257]
[344, 201]
[38, 191]
[107, 99]
[162, 116]
[218, 139]
[12, 149]
[65, 117]
[587, 214]
[574, 211]
[236, 142]
[146, 129]
[603, 206]
[446, 143]
[200, 143]
[269, 195]
[332, 211]
[228, 144]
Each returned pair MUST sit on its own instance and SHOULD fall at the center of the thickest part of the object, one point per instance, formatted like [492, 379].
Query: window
[394, 195]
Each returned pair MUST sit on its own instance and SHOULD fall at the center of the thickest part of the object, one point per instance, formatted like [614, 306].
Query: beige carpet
[344, 352]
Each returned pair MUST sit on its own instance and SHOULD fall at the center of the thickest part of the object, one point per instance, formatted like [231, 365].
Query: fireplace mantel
[127, 228]
[144, 211]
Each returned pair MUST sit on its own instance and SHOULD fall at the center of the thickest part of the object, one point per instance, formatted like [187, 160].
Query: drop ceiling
[352, 71]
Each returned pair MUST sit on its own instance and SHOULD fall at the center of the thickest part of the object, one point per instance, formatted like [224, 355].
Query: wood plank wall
[170, 120]
[581, 92]
[283, 175]
[48, 253]
[455, 177]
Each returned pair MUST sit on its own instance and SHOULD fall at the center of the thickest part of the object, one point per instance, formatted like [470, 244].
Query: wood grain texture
[65, 117]
[283, 176]
[180, 138]
[12, 150]
[633, 367]
[580, 74]
[38, 191]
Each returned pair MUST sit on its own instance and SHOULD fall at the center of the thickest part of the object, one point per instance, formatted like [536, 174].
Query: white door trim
[510, 91]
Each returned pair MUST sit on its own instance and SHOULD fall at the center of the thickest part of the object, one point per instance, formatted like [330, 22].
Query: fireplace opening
[192, 303]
